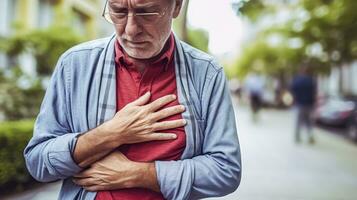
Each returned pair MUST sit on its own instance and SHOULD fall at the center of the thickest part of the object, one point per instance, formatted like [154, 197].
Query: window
[7, 16]
[45, 13]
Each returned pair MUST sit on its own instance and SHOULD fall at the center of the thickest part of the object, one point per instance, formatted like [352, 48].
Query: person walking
[303, 88]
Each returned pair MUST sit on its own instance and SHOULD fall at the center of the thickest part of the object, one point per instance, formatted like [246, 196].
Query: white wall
[330, 84]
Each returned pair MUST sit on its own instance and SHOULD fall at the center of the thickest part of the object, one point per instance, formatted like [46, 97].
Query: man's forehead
[140, 3]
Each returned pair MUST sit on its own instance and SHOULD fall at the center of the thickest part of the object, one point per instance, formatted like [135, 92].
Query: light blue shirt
[82, 95]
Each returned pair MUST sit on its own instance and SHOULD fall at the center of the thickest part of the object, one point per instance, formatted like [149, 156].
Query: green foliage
[273, 60]
[198, 38]
[55, 40]
[250, 8]
[333, 24]
[14, 136]
[328, 35]
[19, 103]
[46, 45]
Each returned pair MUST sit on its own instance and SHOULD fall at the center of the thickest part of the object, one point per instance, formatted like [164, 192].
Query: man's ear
[178, 5]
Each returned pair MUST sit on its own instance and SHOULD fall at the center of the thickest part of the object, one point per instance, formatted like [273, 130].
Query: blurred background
[276, 54]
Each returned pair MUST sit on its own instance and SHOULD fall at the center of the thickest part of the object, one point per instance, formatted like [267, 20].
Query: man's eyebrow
[137, 6]
[116, 5]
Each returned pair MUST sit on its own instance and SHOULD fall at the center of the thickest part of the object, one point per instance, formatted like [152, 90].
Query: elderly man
[139, 115]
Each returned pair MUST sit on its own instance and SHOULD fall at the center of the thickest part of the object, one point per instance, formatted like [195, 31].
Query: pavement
[274, 167]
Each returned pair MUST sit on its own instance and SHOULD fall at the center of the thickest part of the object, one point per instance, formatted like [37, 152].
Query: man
[255, 87]
[139, 115]
[303, 88]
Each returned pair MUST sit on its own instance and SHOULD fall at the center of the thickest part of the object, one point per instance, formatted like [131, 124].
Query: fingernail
[184, 122]
[183, 108]
[147, 93]
[174, 96]
[174, 136]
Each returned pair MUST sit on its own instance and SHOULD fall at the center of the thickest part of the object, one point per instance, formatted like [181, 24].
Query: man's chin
[140, 55]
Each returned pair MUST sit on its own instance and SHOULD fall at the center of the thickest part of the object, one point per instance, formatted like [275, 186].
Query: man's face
[142, 39]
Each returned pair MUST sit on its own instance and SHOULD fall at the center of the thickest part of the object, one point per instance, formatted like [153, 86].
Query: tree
[325, 29]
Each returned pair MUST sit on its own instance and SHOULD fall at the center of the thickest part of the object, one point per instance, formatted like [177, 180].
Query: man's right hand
[137, 122]
[140, 122]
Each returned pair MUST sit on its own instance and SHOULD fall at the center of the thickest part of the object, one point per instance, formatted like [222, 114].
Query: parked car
[338, 111]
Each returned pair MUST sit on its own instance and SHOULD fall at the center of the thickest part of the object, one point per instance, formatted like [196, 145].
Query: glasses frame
[107, 15]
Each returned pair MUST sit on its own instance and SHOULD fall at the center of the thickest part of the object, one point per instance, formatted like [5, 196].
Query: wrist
[148, 171]
[113, 138]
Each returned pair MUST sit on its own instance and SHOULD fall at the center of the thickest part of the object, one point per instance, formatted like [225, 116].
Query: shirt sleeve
[48, 154]
[217, 171]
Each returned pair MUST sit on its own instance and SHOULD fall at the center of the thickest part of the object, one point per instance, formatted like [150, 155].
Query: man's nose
[132, 27]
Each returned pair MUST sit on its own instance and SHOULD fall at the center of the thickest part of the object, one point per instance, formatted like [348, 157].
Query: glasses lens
[118, 18]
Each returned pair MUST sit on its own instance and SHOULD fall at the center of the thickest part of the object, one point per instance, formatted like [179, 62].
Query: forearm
[94, 145]
[203, 176]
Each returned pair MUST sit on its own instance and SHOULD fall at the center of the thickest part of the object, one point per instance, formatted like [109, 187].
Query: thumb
[142, 100]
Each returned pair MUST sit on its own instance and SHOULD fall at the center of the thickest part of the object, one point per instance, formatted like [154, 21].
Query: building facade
[19, 15]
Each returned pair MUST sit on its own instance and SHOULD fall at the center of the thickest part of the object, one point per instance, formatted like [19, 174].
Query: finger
[160, 136]
[166, 112]
[141, 100]
[84, 174]
[85, 181]
[160, 102]
[169, 124]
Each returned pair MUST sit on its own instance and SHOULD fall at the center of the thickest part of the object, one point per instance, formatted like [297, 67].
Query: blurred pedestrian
[303, 88]
[235, 87]
[254, 85]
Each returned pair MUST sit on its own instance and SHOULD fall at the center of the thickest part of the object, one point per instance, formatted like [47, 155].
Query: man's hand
[136, 122]
[139, 122]
[115, 171]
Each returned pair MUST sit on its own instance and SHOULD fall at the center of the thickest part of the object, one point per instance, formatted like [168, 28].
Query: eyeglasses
[120, 18]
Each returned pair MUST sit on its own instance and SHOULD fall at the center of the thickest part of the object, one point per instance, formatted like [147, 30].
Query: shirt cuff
[60, 155]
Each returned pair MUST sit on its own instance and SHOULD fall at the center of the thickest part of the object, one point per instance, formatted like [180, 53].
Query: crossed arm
[110, 169]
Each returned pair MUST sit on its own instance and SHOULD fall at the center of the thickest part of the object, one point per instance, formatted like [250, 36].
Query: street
[274, 167]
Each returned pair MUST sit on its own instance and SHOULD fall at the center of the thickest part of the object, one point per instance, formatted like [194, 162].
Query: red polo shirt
[158, 78]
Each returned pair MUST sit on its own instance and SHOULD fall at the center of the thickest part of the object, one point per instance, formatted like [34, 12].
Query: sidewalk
[275, 168]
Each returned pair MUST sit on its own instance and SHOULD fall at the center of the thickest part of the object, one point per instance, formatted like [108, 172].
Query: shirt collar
[165, 56]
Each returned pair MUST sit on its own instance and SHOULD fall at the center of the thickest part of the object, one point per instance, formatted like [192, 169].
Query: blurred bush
[16, 102]
[14, 136]
[22, 100]
[45, 44]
